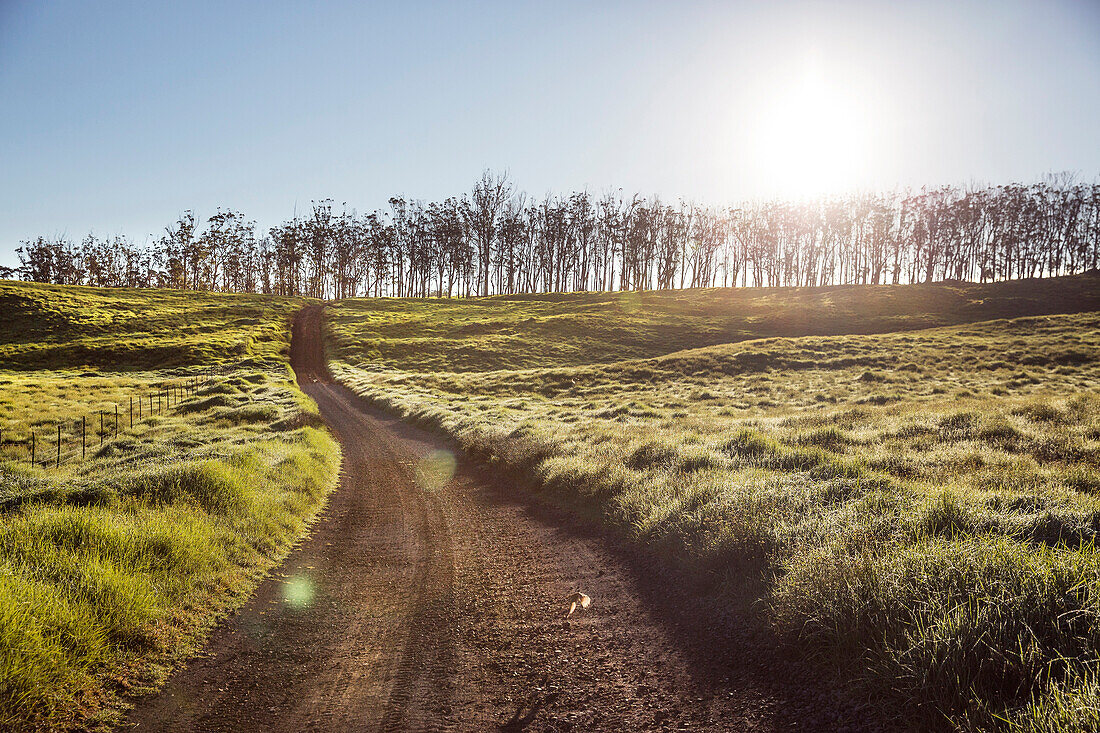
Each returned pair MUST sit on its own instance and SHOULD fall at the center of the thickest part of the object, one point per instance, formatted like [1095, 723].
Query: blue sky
[115, 117]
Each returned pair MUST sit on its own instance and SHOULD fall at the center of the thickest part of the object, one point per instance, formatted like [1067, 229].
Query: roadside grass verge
[916, 512]
[113, 569]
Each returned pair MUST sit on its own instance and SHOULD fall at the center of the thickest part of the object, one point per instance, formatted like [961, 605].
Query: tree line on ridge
[498, 240]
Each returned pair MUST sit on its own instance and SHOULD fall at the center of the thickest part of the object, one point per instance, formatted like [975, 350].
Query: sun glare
[814, 137]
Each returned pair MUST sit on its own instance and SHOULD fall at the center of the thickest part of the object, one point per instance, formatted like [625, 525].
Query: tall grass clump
[968, 629]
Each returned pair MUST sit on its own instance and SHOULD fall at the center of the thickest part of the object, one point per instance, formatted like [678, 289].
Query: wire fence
[70, 440]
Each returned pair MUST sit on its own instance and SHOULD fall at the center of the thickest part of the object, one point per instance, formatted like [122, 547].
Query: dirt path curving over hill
[420, 602]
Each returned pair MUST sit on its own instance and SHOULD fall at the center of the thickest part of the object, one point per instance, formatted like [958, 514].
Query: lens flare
[298, 591]
[434, 470]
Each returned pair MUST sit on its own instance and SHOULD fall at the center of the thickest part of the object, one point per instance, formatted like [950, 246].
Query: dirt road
[423, 600]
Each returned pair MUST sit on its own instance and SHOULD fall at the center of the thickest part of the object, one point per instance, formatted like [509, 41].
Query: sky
[115, 117]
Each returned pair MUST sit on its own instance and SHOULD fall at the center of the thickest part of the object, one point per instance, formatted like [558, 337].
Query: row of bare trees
[498, 240]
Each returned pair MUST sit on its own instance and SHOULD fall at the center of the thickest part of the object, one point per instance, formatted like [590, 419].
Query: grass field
[519, 332]
[913, 507]
[114, 567]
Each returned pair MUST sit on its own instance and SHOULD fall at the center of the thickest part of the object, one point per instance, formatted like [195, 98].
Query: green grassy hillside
[914, 511]
[519, 332]
[114, 567]
[56, 326]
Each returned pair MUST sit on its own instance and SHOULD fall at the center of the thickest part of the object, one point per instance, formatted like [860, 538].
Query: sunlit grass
[916, 512]
[572, 329]
[69, 327]
[114, 566]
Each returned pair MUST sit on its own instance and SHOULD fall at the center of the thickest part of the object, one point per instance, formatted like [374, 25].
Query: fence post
[83, 441]
[101, 427]
[33, 441]
[131, 412]
[58, 463]
[116, 419]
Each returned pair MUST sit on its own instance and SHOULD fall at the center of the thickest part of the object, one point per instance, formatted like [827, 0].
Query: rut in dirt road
[442, 607]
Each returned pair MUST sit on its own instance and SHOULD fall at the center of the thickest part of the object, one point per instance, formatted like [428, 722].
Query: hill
[526, 331]
[60, 326]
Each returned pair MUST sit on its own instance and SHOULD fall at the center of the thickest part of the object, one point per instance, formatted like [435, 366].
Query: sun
[814, 137]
